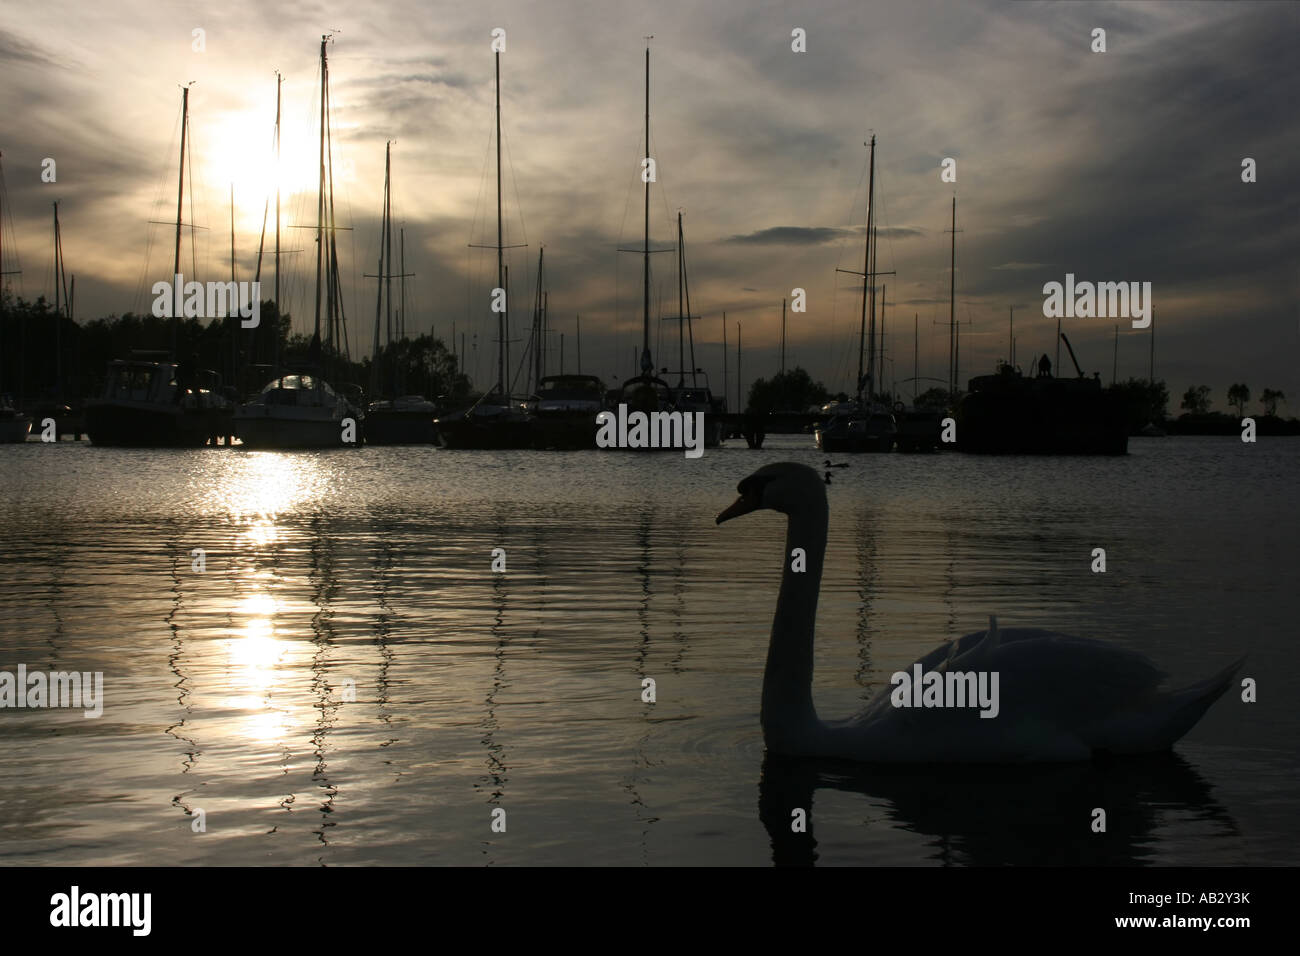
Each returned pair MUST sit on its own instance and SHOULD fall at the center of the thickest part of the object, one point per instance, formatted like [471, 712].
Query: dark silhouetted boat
[861, 424]
[851, 427]
[297, 410]
[1011, 414]
[153, 404]
[564, 411]
[148, 403]
[495, 421]
[14, 425]
[394, 419]
[920, 428]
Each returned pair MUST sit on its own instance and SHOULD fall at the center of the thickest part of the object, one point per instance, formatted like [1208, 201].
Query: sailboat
[861, 425]
[562, 408]
[14, 425]
[695, 395]
[299, 408]
[151, 400]
[393, 419]
[495, 421]
[645, 392]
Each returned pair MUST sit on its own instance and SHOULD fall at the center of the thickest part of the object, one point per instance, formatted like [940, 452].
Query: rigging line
[194, 265]
[143, 281]
[470, 271]
[526, 285]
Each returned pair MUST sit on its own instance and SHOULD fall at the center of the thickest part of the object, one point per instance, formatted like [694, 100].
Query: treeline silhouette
[45, 356]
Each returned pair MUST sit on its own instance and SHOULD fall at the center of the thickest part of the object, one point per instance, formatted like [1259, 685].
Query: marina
[424, 460]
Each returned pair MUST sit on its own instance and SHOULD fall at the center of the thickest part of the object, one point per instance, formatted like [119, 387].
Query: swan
[1062, 698]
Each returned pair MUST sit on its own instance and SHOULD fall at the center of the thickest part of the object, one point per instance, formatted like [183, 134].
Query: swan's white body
[1061, 698]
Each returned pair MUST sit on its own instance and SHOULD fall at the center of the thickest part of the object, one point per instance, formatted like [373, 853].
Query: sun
[240, 153]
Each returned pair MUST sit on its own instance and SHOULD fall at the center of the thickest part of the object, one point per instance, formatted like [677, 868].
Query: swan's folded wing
[1074, 681]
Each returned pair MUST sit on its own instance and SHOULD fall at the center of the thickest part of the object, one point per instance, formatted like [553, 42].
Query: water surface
[367, 574]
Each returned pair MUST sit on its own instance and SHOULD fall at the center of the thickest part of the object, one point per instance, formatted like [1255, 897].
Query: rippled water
[367, 574]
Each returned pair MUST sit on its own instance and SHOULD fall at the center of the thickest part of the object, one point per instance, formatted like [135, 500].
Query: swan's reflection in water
[999, 816]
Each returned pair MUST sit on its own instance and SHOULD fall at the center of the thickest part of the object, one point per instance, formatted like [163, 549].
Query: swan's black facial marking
[751, 497]
[753, 486]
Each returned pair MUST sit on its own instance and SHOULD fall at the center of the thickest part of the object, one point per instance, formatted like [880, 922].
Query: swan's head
[785, 487]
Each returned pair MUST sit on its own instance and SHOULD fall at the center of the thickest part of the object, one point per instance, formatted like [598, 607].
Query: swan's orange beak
[743, 506]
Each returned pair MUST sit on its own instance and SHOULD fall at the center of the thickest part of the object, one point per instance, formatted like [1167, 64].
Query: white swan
[1062, 698]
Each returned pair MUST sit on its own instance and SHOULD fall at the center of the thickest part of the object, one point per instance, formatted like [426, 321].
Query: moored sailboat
[863, 424]
[298, 408]
[153, 403]
[496, 420]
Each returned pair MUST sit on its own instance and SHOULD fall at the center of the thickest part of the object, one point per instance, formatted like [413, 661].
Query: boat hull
[848, 444]
[14, 430]
[564, 432]
[130, 424]
[281, 432]
[400, 428]
[1041, 417]
[485, 434]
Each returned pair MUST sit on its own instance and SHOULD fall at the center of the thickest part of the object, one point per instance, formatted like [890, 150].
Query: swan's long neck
[790, 723]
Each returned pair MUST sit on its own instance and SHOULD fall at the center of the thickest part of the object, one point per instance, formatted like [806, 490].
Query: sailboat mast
[883, 289]
[502, 324]
[388, 242]
[278, 80]
[646, 363]
[56, 257]
[58, 311]
[725, 386]
[952, 306]
[320, 199]
[916, 354]
[234, 324]
[681, 312]
[376, 377]
[180, 207]
[577, 328]
[871, 327]
[1011, 334]
[738, 383]
[1114, 365]
[866, 266]
[1151, 368]
[539, 332]
[783, 336]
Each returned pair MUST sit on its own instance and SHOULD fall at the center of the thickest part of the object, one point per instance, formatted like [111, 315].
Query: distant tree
[1144, 401]
[419, 366]
[1238, 396]
[1269, 399]
[1197, 399]
[933, 398]
[793, 390]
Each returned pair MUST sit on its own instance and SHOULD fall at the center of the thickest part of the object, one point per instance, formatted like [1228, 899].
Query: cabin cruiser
[148, 404]
[851, 427]
[564, 411]
[298, 410]
[14, 425]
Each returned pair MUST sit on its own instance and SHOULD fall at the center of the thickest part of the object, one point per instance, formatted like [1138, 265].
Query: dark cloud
[793, 235]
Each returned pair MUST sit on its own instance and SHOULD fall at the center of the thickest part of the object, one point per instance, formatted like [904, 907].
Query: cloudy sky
[1122, 165]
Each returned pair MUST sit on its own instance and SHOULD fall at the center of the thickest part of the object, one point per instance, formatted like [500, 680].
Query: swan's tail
[1173, 715]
